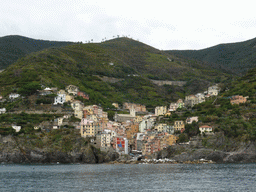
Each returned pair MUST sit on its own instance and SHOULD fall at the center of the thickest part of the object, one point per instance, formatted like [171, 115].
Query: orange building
[237, 99]
[131, 130]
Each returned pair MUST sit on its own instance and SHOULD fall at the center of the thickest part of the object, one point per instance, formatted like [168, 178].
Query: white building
[54, 127]
[205, 129]
[60, 99]
[2, 110]
[72, 89]
[146, 124]
[173, 107]
[125, 117]
[125, 146]
[201, 97]
[190, 120]
[14, 95]
[104, 139]
[46, 91]
[111, 132]
[17, 128]
[213, 90]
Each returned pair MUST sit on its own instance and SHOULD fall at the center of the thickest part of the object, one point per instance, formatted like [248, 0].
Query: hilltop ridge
[235, 58]
[13, 47]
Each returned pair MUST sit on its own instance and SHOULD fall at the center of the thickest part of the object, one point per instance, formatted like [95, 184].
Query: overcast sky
[163, 24]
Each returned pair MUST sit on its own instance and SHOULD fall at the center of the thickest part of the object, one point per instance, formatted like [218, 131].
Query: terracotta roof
[205, 126]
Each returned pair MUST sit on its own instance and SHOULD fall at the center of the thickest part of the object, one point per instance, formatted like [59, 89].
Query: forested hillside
[14, 47]
[132, 63]
[234, 58]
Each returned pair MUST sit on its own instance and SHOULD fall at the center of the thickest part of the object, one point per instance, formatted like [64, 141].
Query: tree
[175, 116]
[111, 115]
[29, 88]
[183, 137]
[192, 129]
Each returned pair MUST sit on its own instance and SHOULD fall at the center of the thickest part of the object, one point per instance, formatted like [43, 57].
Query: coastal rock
[34, 156]
[240, 158]
[192, 156]
[216, 156]
[57, 156]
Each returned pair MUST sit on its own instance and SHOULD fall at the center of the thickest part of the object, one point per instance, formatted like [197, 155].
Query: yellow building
[138, 119]
[131, 130]
[79, 114]
[61, 92]
[160, 127]
[160, 110]
[115, 105]
[171, 139]
[69, 98]
[89, 128]
[77, 105]
[179, 125]
[167, 140]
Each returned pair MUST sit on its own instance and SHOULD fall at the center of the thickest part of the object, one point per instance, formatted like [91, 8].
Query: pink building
[83, 94]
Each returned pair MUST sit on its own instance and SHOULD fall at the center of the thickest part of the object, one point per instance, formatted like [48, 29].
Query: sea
[125, 177]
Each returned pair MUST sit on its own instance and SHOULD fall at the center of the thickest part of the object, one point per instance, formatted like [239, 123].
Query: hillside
[14, 47]
[235, 121]
[234, 58]
[132, 63]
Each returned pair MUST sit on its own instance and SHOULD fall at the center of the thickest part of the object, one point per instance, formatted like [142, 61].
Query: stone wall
[161, 83]
[109, 79]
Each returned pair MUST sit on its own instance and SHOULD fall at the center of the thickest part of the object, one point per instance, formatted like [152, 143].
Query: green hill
[131, 63]
[14, 47]
[234, 58]
[237, 121]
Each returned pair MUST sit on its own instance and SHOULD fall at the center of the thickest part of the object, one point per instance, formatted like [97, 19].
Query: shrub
[183, 137]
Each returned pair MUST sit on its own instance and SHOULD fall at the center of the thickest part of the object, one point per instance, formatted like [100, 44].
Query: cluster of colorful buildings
[130, 132]
[138, 133]
[127, 133]
[69, 94]
[192, 100]
[135, 132]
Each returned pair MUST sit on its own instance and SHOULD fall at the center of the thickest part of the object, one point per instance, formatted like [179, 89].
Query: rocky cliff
[219, 149]
[14, 150]
[216, 148]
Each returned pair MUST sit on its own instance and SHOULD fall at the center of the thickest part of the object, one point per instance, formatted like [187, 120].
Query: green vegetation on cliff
[237, 122]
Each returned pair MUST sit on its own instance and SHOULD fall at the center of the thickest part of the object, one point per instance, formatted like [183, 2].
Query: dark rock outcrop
[238, 153]
[19, 150]
[57, 156]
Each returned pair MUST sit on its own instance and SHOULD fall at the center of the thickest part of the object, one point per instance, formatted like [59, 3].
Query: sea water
[120, 177]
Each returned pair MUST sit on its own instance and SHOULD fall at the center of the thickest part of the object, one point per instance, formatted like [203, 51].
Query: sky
[163, 24]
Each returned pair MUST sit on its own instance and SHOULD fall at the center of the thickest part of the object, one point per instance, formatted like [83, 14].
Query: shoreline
[154, 161]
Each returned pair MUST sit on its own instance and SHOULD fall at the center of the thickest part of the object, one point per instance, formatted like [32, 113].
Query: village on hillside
[133, 129]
